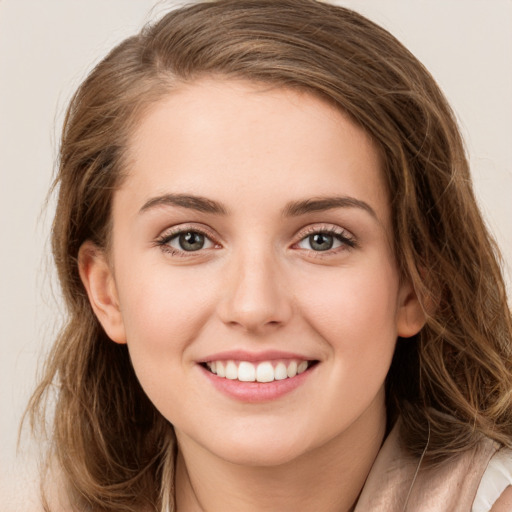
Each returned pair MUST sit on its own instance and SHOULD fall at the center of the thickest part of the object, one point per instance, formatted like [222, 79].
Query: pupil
[321, 242]
[191, 241]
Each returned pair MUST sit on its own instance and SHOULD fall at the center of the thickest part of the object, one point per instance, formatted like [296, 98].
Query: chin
[257, 444]
[267, 453]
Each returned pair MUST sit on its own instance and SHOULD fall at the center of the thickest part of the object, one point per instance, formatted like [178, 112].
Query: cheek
[353, 309]
[164, 311]
[163, 308]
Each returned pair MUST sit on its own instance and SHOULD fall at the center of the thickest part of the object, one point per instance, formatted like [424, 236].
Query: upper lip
[243, 355]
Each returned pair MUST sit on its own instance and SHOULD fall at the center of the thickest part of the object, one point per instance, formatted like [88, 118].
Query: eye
[326, 240]
[185, 240]
[190, 241]
[318, 242]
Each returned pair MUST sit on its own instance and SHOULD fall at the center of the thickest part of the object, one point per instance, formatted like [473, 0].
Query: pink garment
[448, 487]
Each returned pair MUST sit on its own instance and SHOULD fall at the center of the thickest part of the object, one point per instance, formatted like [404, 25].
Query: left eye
[323, 241]
[190, 241]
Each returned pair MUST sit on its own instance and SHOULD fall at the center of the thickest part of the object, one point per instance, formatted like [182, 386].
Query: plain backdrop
[46, 49]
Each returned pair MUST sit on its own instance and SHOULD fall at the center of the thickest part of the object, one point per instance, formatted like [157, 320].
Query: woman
[281, 292]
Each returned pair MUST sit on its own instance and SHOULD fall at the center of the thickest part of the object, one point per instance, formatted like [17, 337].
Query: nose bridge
[256, 296]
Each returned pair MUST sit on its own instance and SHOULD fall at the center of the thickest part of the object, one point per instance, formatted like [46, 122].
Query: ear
[98, 280]
[410, 315]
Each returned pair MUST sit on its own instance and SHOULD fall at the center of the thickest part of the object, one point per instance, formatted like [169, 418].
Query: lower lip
[257, 391]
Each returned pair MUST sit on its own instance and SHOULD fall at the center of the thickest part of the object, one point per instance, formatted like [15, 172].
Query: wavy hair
[115, 450]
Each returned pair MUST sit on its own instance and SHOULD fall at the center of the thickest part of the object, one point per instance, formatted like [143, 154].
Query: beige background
[46, 48]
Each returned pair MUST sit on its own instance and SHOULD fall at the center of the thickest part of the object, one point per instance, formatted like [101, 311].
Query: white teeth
[221, 370]
[246, 372]
[265, 371]
[280, 372]
[303, 366]
[291, 371]
[231, 370]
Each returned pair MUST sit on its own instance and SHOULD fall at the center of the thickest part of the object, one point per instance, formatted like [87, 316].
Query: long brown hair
[454, 379]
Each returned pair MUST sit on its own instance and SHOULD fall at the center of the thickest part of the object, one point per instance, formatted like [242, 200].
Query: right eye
[184, 241]
[190, 241]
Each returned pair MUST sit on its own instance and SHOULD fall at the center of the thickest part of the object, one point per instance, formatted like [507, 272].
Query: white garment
[497, 477]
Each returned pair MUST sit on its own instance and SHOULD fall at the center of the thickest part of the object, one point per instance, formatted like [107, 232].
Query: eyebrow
[292, 209]
[198, 203]
[320, 204]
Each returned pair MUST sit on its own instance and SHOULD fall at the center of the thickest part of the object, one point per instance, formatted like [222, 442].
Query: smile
[263, 371]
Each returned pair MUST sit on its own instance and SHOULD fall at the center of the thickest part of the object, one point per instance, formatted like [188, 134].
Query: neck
[328, 477]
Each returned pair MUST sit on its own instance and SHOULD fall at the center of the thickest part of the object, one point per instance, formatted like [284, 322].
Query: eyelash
[347, 240]
[163, 241]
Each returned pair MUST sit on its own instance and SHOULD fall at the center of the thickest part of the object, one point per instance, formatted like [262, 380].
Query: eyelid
[168, 234]
[188, 226]
[346, 236]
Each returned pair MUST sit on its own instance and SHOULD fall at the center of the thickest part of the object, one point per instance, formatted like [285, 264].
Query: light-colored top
[470, 482]
[497, 477]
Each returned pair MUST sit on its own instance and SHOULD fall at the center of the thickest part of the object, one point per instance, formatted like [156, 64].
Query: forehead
[250, 144]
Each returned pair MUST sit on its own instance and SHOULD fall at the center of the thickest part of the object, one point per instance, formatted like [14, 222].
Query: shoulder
[398, 478]
[494, 493]
[504, 502]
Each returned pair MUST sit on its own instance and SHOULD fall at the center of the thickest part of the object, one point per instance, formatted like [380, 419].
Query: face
[251, 271]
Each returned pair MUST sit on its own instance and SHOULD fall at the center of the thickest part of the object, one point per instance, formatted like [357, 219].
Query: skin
[258, 285]
[504, 502]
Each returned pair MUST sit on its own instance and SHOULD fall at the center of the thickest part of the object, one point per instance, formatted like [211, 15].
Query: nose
[256, 299]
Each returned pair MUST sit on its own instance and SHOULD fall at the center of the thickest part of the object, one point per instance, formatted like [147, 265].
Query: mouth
[262, 371]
